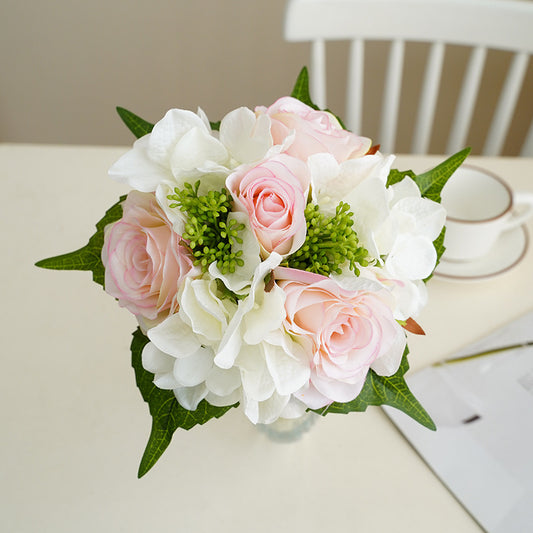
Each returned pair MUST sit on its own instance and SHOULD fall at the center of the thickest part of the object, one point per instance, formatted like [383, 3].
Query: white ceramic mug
[480, 206]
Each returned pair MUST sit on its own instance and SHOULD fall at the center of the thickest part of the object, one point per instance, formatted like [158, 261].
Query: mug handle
[522, 209]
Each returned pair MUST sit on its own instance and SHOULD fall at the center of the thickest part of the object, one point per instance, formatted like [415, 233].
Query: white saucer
[508, 251]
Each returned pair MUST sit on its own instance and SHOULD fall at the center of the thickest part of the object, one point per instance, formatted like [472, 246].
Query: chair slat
[527, 147]
[506, 104]
[354, 91]
[318, 73]
[467, 100]
[430, 90]
[391, 99]
[506, 26]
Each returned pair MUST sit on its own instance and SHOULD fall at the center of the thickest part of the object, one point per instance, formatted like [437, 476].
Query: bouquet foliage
[273, 260]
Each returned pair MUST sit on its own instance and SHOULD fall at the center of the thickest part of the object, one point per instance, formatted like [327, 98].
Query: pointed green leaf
[215, 126]
[301, 88]
[438, 243]
[381, 390]
[395, 176]
[138, 126]
[90, 256]
[167, 414]
[431, 182]
[301, 92]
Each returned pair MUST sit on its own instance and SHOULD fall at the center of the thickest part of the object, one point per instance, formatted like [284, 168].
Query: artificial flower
[311, 131]
[345, 332]
[274, 194]
[144, 258]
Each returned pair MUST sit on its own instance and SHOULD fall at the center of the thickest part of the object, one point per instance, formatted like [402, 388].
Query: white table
[74, 425]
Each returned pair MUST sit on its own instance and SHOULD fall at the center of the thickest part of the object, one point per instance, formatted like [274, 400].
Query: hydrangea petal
[293, 409]
[429, 216]
[156, 361]
[265, 317]
[246, 136]
[193, 370]
[290, 372]
[231, 342]
[174, 337]
[168, 132]
[256, 379]
[202, 309]
[412, 257]
[190, 397]
[165, 381]
[223, 382]
[333, 182]
[194, 149]
[221, 401]
[267, 411]
[371, 203]
[137, 169]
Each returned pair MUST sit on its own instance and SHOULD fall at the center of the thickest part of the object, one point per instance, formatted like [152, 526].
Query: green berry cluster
[209, 234]
[330, 242]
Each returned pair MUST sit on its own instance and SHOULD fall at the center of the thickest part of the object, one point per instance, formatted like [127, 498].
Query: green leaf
[438, 243]
[301, 88]
[215, 126]
[138, 126]
[395, 176]
[381, 390]
[432, 182]
[301, 92]
[90, 256]
[167, 414]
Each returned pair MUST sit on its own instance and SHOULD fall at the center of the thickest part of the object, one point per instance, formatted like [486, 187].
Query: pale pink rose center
[270, 202]
[346, 334]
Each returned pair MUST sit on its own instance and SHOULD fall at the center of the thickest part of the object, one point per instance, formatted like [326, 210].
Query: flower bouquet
[273, 260]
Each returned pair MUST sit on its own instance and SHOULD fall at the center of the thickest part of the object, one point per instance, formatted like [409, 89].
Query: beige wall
[66, 64]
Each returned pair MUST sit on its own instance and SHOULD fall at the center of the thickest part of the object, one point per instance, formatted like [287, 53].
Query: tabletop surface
[75, 426]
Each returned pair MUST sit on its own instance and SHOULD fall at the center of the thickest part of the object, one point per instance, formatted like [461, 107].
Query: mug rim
[494, 217]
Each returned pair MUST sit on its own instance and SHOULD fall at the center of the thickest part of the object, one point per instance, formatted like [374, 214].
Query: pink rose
[274, 194]
[314, 131]
[143, 259]
[346, 331]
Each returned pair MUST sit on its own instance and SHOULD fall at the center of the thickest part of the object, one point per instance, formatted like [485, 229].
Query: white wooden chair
[479, 24]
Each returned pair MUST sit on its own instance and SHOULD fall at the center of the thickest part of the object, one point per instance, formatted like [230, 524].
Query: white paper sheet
[483, 447]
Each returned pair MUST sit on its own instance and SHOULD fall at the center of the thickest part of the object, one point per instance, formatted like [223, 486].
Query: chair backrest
[480, 24]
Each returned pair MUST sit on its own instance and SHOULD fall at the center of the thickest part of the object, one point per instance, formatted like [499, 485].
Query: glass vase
[289, 429]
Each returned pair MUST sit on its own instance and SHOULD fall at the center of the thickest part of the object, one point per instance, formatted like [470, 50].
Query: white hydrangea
[182, 148]
[226, 352]
[394, 222]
